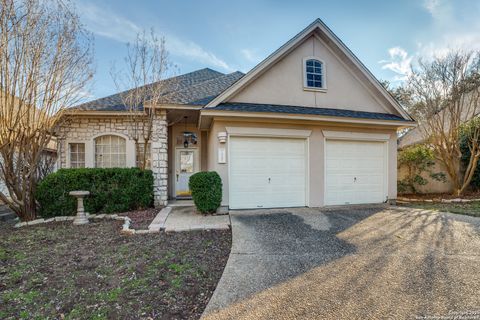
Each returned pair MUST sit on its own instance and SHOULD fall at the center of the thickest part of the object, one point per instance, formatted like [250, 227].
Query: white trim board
[268, 132]
[357, 136]
[268, 115]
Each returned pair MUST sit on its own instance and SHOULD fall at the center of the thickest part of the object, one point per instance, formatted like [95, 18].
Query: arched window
[110, 152]
[314, 74]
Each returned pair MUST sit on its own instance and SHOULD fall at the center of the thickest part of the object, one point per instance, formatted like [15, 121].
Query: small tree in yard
[446, 95]
[418, 160]
[146, 64]
[45, 63]
[468, 132]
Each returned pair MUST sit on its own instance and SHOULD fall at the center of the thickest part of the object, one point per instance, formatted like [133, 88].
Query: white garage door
[355, 172]
[267, 172]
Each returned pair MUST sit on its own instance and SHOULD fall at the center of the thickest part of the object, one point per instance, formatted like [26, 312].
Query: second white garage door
[267, 172]
[356, 172]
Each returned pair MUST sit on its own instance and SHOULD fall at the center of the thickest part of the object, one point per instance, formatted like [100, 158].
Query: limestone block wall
[84, 129]
[160, 158]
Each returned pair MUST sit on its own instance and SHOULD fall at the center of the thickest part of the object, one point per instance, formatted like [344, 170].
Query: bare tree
[45, 62]
[401, 93]
[446, 96]
[141, 86]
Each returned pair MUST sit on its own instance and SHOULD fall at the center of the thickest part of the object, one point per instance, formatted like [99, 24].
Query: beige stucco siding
[316, 155]
[283, 83]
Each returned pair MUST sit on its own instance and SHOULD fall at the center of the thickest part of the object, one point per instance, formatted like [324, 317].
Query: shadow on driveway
[349, 263]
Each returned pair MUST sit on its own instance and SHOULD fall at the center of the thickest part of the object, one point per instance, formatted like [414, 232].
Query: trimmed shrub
[111, 190]
[206, 190]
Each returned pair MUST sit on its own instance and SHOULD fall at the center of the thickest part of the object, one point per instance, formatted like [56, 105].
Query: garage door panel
[355, 172]
[253, 160]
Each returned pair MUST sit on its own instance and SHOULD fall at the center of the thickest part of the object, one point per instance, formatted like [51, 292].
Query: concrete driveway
[372, 263]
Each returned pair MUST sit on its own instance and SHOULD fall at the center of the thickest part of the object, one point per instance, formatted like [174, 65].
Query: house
[308, 126]
[47, 164]
[14, 113]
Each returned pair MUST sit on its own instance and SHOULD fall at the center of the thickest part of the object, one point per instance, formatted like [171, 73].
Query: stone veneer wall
[84, 129]
[160, 158]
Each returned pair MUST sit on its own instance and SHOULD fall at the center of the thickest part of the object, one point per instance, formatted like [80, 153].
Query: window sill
[315, 89]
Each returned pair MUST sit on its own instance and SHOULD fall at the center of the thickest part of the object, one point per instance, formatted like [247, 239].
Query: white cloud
[432, 6]
[454, 26]
[104, 22]
[193, 51]
[250, 55]
[399, 62]
[448, 42]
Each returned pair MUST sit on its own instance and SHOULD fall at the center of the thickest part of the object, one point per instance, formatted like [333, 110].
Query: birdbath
[81, 217]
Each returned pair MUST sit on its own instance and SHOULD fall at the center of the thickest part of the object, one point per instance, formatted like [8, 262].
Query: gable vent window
[314, 74]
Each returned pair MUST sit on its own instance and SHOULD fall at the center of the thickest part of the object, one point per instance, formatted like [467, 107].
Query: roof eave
[206, 113]
[96, 113]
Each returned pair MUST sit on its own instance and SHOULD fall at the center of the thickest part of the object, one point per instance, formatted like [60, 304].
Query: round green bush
[206, 188]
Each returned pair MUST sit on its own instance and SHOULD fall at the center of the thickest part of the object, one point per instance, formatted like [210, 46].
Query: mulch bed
[141, 219]
[439, 196]
[61, 271]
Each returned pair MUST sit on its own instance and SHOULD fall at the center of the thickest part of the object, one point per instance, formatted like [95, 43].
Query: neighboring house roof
[419, 134]
[194, 88]
[412, 137]
[331, 112]
[335, 43]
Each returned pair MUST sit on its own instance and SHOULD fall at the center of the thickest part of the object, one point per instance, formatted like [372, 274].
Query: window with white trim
[314, 72]
[77, 155]
[110, 152]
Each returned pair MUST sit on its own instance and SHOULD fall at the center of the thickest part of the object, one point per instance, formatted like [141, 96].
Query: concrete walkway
[6, 214]
[186, 219]
[373, 263]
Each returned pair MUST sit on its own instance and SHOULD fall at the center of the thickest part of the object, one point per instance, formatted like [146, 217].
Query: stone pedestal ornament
[81, 217]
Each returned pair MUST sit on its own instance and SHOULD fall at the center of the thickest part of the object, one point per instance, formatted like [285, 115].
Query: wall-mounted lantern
[222, 137]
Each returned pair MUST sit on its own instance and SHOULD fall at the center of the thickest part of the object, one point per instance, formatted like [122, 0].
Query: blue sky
[235, 35]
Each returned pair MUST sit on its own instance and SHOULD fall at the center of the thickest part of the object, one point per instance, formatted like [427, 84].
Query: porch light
[222, 137]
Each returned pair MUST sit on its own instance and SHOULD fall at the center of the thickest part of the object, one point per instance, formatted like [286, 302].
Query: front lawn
[467, 208]
[58, 271]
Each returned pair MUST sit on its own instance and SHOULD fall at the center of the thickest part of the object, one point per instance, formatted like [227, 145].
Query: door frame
[360, 137]
[271, 133]
[196, 165]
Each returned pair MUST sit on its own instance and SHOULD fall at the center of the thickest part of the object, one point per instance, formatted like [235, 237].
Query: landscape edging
[125, 228]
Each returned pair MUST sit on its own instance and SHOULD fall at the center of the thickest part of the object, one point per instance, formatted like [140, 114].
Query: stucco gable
[279, 79]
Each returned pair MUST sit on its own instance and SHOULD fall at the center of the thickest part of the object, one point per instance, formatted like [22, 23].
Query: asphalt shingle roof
[253, 107]
[204, 92]
[196, 88]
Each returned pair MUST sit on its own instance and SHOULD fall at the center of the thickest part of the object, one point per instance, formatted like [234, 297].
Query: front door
[186, 165]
